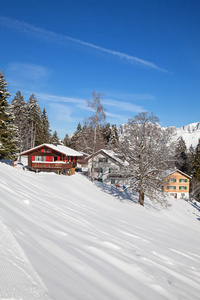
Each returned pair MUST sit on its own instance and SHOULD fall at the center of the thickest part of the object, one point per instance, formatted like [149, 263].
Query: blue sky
[143, 55]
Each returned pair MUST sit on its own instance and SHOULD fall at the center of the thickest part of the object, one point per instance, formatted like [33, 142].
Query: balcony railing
[52, 165]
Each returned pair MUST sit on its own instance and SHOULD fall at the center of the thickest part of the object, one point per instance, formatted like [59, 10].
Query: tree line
[24, 125]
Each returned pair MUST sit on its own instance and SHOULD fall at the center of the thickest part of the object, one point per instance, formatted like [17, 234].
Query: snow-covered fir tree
[7, 129]
[34, 128]
[18, 109]
[46, 132]
[181, 159]
[66, 141]
[55, 139]
[114, 138]
[196, 164]
[75, 143]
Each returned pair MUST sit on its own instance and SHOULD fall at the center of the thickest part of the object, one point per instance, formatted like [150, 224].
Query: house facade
[177, 184]
[107, 167]
[51, 158]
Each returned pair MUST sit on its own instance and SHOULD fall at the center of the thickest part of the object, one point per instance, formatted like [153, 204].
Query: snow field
[72, 240]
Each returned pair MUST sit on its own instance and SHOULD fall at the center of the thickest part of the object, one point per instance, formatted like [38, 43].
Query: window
[40, 158]
[182, 180]
[171, 180]
[182, 195]
[112, 181]
[182, 187]
[172, 194]
[171, 187]
[103, 159]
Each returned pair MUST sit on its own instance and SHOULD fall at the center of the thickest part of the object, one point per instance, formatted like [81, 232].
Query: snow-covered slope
[190, 133]
[66, 238]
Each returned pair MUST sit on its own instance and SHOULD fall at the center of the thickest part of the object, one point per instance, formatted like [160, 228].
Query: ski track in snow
[63, 238]
[18, 279]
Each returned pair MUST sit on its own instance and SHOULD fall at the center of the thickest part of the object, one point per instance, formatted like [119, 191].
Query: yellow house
[177, 184]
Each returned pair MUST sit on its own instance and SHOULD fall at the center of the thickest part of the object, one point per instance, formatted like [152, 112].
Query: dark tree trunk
[141, 198]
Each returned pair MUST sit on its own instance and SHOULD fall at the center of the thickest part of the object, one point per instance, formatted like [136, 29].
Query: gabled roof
[59, 148]
[170, 172]
[111, 154]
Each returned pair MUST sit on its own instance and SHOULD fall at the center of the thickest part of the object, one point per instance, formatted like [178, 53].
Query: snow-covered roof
[111, 154]
[170, 172]
[59, 148]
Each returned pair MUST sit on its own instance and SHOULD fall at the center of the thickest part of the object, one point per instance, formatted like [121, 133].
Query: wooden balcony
[59, 165]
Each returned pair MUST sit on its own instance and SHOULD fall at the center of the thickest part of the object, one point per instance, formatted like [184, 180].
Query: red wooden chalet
[51, 158]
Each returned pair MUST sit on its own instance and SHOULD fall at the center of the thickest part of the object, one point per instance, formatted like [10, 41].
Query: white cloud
[55, 98]
[28, 71]
[55, 37]
[81, 103]
[61, 112]
[123, 106]
[131, 96]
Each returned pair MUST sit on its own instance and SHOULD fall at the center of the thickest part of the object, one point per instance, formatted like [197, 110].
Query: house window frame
[171, 180]
[182, 180]
[171, 187]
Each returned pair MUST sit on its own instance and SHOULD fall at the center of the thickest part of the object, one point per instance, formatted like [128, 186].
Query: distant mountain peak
[190, 133]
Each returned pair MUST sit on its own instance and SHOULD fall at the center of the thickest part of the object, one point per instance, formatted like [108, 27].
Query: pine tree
[18, 109]
[181, 155]
[7, 130]
[34, 133]
[46, 135]
[190, 160]
[66, 141]
[55, 139]
[114, 138]
[75, 142]
[196, 165]
[106, 133]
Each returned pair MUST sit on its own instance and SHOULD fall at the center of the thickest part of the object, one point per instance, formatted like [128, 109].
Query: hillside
[65, 238]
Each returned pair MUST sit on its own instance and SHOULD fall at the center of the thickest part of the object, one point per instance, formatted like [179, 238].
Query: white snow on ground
[66, 238]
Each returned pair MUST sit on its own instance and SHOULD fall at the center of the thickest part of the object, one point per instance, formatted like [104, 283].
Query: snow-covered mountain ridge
[190, 133]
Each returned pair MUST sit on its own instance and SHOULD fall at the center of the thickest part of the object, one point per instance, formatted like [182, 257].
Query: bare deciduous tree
[146, 148]
[95, 120]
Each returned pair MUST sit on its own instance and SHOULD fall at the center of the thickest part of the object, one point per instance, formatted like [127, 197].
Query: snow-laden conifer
[7, 129]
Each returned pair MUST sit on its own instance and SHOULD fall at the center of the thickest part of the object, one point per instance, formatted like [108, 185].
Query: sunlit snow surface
[65, 238]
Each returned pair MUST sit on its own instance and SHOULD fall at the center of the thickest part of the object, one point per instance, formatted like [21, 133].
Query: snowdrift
[66, 238]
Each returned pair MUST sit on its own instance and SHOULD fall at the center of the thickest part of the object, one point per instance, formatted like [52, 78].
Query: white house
[107, 167]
